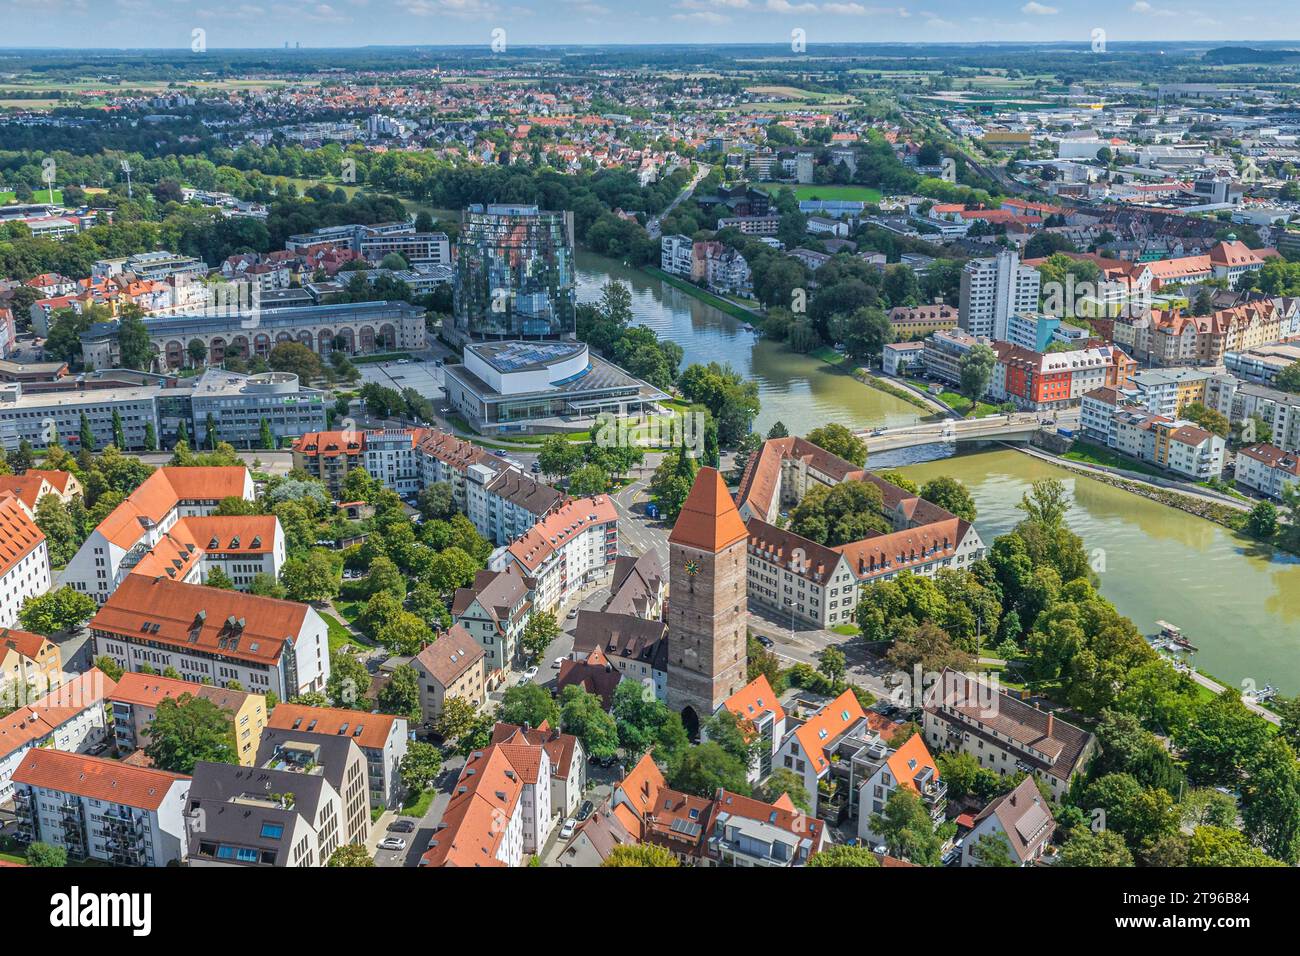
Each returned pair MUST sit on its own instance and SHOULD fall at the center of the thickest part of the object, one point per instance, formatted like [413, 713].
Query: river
[1235, 600]
[1238, 602]
[798, 390]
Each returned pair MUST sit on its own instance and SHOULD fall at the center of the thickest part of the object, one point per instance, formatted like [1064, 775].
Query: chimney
[1050, 722]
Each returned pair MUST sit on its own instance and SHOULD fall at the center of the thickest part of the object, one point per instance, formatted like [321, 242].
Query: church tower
[707, 601]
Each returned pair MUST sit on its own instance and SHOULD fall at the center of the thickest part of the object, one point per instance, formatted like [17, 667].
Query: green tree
[111, 668]
[86, 435]
[588, 480]
[56, 611]
[839, 440]
[538, 633]
[529, 704]
[45, 855]
[1101, 848]
[218, 578]
[907, 830]
[310, 577]
[842, 855]
[703, 769]
[119, 435]
[351, 854]
[348, 679]
[133, 340]
[951, 495]
[61, 535]
[401, 695]
[188, 729]
[583, 715]
[456, 719]
[992, 849]
[643, 855]
[976, 371]
[788, 783]
[1224, 846]
[559, 457]
[832, 664]
[421, 766]
[1262, 521]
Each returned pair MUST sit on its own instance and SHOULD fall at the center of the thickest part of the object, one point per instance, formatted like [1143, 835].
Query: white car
[530, 673]
[392, 843]
[566, 831]
[557, 663]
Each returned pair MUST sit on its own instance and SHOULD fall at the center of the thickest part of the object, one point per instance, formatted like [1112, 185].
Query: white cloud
[845, 9]
[1033, 8]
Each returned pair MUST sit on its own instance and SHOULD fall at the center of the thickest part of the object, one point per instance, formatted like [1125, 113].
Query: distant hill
[1230, 55]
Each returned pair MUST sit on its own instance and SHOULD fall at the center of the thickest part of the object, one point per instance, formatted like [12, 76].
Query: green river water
[1239, 603]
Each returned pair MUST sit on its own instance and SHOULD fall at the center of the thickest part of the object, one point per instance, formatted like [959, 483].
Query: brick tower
[707, 601]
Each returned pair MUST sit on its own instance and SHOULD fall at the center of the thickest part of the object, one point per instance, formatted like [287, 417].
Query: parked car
[530, 673]
[572, 614]
[392, 843]
[537, 467]
[764, 640]
[566, 831]
[402, 826]
[584, 811]
[557, 663]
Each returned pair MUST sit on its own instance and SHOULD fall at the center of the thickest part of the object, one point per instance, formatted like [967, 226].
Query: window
[272, 831]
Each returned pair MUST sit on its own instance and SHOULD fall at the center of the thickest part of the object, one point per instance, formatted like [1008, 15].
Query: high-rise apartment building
[994, 289]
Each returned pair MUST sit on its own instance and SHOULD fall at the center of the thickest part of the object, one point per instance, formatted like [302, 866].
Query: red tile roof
[96, 777]
[370, 731]
[708, 520]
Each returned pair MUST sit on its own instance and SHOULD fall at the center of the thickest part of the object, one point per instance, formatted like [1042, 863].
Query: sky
[270, 23]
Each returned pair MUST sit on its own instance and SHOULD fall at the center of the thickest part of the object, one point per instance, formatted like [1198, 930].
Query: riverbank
[733, 309]
[912, 397]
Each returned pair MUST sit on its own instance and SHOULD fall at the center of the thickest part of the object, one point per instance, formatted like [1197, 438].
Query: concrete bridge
[1015, 427]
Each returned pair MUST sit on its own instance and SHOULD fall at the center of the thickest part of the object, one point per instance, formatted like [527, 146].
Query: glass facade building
[515, 273]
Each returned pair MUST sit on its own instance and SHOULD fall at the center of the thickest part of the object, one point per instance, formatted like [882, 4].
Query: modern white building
[213, 634]
[994, 289]
[24, 559]
[1267, 469]
[382, 739]
[100, 809]
[571, 547]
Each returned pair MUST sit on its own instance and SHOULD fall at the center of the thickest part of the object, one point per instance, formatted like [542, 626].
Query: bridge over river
[1018, 427]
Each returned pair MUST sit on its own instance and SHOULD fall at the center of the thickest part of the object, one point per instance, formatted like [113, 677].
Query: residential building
[902, 358]
[24, 559]
[1267, 469]
[1041, 381]
[567, 758]
[99, 809]
[790, 574]
[630, 646]
[943, 354]
[133, 704]
[504, 504]
[994, 289]
[306, 797]
[27, 661]
[499, 811]
[34, 484]
[382, 739]
[744, 831]
[637, 586]
[595, 838]
[661, 816]
[70, 718]
[807, 748]
[150, 520]
[675, 254]
[452, 666]
[760, 713]
[1005, 734]
[263, 643]
[1021, 819]
[910, 767]
[493, 612]
[573, 546]
[918, 321]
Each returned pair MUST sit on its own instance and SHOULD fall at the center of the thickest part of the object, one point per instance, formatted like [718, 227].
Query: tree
[265, 437]
[1210, 419]
[583, 715]
[133, 340]
[783, 782]
[977, 371]
[643, 854]
[111, 668]
[119, 434]
[150, 437]
[421, 766]
[559, 457]
[298, 359]
[218, 578]
[841, 855]
[45, 855]
[401, 695]
[1224, 846]
[833, 665]
[928, 645]
[457, 718]
[264, 584]
[187, 729]
[992, 849]
[60, 530]
[351, 854]
[539, 632]
[1288, 379]
[86, 435]
[1262, 521]
[56, 611]
[849, 511]
[951, 495]
[1223, 741]
[1270, 802]
[529, 704]
[436, 501]
[1046, 503]
[703, 769]
[1095, 848]
[310, 577]
[839, 440]
[1141, 815]
[907, 830]
[588, 480]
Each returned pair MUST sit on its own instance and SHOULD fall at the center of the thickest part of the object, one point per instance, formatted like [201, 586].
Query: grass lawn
[866, 194]
[828, 355]
[847, 630]
[386, 357]
[338, 632]
[417, 804]
[1087, 453]
[349, 609]
[702, 294]
[963, 405]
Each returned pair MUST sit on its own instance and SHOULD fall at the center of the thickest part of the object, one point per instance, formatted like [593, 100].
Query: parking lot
[423, 376]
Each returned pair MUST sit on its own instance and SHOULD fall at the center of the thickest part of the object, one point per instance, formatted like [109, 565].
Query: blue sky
[269, 23]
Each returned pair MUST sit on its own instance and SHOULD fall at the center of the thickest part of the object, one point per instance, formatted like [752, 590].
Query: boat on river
[1171, 637]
